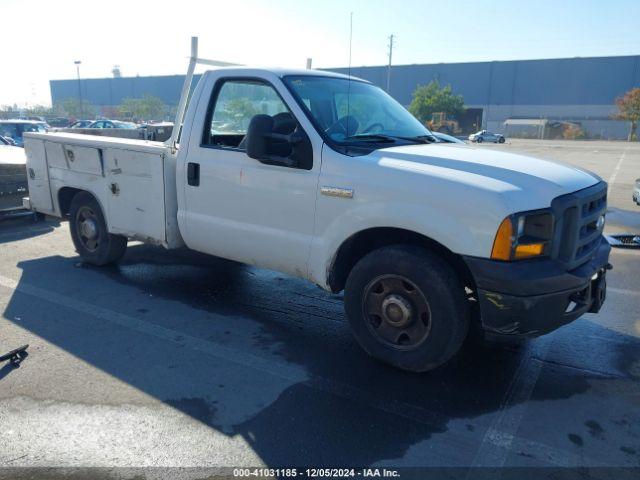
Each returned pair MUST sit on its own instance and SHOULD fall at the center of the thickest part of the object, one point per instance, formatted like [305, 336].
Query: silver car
[13, 129]
[485, 136]
[636, 192]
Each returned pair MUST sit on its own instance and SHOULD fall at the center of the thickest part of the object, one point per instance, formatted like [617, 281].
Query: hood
[10, 155]
[489, 169]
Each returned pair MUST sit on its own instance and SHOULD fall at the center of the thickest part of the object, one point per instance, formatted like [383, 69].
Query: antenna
[349, 81]
[389, 67]
[350, 38]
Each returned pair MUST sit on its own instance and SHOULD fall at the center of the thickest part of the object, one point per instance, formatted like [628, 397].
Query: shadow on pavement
[21, 227]
[347, 410]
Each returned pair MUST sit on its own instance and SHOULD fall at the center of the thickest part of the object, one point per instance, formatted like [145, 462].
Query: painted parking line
[614, 174]
[497, 442]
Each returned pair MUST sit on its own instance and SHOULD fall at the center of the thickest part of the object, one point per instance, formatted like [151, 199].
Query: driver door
[237, 207]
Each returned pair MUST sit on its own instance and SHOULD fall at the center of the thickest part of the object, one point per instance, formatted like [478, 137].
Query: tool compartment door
[136, 194]
[38, 175]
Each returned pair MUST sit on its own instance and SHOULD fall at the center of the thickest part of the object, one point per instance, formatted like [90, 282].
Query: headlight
[523, 235]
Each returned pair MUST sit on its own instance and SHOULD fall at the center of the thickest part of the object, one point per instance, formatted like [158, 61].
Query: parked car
[444, 138]
[485, 136]
[424, 239]
[113, 124]
[81, 124]
[13, 176]
[15, 128]
[59, 122]
[35, 118]
[636, 192]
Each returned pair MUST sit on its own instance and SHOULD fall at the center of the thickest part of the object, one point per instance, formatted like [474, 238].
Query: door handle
[193, 174]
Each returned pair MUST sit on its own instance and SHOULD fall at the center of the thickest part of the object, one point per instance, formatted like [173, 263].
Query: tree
[431, 98]
[71, 106]
[629, 109]
[146, 108]
[38, 110]
[9, 111]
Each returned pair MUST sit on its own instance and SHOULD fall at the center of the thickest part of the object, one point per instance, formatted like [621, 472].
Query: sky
[42, 39]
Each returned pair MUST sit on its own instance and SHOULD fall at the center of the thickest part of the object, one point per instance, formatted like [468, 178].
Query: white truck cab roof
[279, 72]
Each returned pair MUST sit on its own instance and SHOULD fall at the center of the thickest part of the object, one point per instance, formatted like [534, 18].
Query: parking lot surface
[177, 359]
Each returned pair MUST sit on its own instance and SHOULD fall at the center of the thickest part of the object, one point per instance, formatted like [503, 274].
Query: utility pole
[389, 67]
[77, 64]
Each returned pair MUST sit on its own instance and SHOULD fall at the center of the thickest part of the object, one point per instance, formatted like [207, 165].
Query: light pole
[77, 64]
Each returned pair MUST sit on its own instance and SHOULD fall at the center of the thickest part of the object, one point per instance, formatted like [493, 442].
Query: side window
[236, 102]
[8, 130]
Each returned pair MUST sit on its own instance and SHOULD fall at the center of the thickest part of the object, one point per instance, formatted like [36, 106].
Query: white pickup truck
[329, 179]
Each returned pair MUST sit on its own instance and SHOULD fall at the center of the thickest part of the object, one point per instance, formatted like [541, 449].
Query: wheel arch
[365, 241]
[67, 193]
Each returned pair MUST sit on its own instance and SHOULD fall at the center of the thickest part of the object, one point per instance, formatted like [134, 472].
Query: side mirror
[257, 136]
[289, 150]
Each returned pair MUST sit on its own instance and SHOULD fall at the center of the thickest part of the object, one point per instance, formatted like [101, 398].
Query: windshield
[349, 111]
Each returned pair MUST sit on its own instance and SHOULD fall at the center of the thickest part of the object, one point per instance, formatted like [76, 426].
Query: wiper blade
[426, 138]
[371, 136]
[417, 139]
[391, 138]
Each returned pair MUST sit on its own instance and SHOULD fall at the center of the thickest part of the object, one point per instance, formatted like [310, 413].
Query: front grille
[577, 233]
[13, 172]
[13, 179]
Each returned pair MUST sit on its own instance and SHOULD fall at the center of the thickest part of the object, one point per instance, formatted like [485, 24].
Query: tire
[479, 140]
[89, 233]
[501, 140]
[385, 298]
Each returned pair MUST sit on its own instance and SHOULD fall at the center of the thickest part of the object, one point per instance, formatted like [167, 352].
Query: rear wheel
[89, 233]
[407, 307]
[501, 140]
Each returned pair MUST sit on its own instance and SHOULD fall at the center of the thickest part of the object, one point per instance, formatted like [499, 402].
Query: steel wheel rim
[87, 228]
[396, 312]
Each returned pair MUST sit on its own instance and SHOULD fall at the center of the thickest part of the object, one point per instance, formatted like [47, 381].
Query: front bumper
[533, 297]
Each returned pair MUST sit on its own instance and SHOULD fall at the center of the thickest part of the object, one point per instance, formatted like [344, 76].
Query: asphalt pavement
[175, 359]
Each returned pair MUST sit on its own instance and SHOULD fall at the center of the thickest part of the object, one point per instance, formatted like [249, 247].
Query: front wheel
[479, 140]
[407, 307]
[89, 233]
[501, 140]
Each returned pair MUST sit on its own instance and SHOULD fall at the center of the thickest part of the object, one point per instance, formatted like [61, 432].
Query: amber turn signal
[530, 250]
[504, 240]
